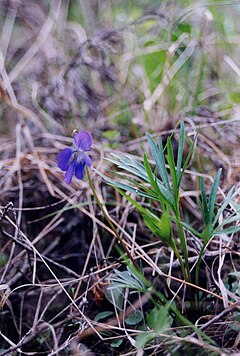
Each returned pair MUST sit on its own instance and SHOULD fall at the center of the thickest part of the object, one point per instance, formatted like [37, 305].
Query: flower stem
[105, 214]
[183, 245]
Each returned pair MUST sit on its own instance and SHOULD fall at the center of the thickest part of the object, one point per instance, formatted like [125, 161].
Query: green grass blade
[191, 229]
[159, 159]
[151, 176]
[226, 202]
[165, 197]
[124, 186]
[229, 230]
[180, 151]
[204, 203]
[171, 162]
[131, 162]
[230, 220]
[186, 161]
[213, 194]
[130, 166]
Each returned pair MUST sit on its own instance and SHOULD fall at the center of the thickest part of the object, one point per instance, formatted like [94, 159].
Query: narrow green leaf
[116, 343]
[213, 194]
[180, 150]
[124, 186]
[124, 279]
[133, 202]
[226, 202]
[204, 203]
[152, 177]
[138, 275]
[187, 159]
[191, 229]
[227, 231]
[128, 279]
[159, 159]
[131, 162]
[171, 163]
[162, 159]
[128, 167]
[160, 227]
[165, 197]
[235, 274]
[103, 315]
[230, 220]
[115, 296]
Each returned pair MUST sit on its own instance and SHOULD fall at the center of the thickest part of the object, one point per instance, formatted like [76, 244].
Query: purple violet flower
[73, 160]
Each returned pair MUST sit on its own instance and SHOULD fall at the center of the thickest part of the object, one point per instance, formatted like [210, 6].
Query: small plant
[157, 320]
[161, 184]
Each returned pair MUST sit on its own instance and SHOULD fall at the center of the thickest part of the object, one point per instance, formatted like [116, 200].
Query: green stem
[183, 245]
[181, 263]
[198, 263]
[105, 214]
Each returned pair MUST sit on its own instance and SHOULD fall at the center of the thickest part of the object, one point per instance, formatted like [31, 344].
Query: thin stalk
[186, 277]
[183, 244]
[206, 235]
[198, 264]
[122, 242]
[185, 269]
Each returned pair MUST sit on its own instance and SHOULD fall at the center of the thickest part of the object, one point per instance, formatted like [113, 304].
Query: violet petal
[83, 140]
[63, 158]
[87, 160]
[70, 172]
[79, 169]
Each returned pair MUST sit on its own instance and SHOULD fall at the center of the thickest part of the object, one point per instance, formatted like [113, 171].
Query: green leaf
[226, 202]
[128, 162]
[134, 318]
[167, 195]
[143, 338]
[213, 194]
[237, 275]
[235, 217]
[161, 227]
[159, 159]
[3, 259]
[187, 159]
[158, 227]
[116, 343]
[171, 163]
[158, 319]
[204, 203]
[152, 177]
[236, 315]
[124, 186]
[103, 315]
[137, 275]
[191, 229]
[180, 151]
[111, 135]
[235, 327]
[126, 280]
[115, 297]
[229, 230]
